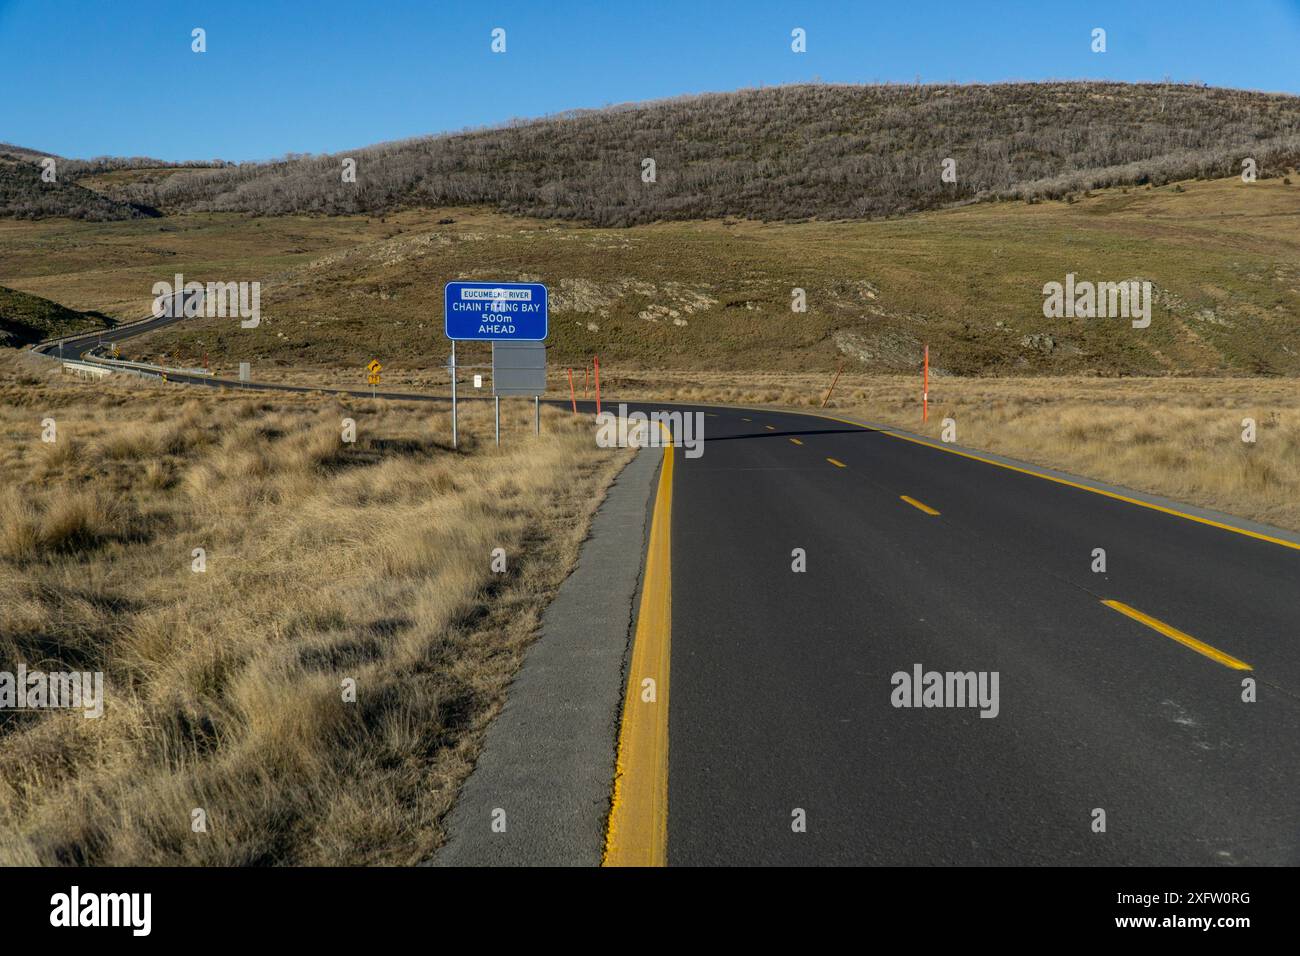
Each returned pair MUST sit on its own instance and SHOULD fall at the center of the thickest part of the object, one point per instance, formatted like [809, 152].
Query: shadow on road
[792, 434]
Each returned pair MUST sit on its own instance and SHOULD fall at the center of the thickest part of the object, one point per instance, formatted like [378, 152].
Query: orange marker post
[596, 367]
[925, 386]
[832, 388]
[573, 399]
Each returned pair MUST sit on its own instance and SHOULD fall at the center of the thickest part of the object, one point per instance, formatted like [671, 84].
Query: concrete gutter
[548, 759]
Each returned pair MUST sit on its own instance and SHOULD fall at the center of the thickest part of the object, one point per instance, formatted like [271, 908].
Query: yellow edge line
[837, 464]
[637, 832]
[1227, 660]
[796, 441]
[916, 504]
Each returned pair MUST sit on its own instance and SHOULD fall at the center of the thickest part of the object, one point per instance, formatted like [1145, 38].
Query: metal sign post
[453, 393]
[519, 368]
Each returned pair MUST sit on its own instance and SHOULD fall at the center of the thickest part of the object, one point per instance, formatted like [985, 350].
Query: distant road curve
[82, 348]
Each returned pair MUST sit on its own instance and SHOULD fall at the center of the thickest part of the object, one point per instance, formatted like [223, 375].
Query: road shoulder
[539, 794]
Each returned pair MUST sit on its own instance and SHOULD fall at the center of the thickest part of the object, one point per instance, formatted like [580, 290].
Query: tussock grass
[76, 521]
[324, 562]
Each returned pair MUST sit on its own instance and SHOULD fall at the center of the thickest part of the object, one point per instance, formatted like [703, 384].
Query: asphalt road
[74, 347]
[781, 680]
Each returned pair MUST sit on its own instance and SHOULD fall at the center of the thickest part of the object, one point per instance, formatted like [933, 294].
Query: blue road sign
[495, 311]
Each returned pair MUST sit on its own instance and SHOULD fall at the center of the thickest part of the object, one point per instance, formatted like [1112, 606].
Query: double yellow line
[637, 832]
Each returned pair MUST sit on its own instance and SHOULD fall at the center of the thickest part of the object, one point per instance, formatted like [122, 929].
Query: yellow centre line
[770, 428]
[1027, 471]
[637, 832]
[1065, 481]
[796, 441]
[916, 504]
[1227, 660]
[837, 464]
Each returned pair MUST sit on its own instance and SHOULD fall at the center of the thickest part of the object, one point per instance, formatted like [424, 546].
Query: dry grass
[325, 561]
[1181, 438]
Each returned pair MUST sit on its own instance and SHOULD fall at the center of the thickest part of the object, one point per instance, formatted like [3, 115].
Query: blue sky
[118, 77]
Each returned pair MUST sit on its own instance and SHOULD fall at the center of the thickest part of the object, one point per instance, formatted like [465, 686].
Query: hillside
[715, 296]
[23, 195]
[25, 319]
[1223, 258]
[783, 153]
[78, 191]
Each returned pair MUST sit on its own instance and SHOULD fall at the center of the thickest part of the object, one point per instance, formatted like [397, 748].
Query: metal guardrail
[144, 366]
[86, 368]
[55, 341]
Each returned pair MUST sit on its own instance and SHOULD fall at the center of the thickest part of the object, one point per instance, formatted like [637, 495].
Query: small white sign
[478, 381]
[243, 371]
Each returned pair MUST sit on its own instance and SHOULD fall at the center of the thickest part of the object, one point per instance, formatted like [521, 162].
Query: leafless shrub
[783, 153]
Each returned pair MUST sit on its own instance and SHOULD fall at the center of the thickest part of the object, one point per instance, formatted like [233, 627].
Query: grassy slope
[110, 181]
[28, 318]
[716, 295]
[324, 561]
[111, 267]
